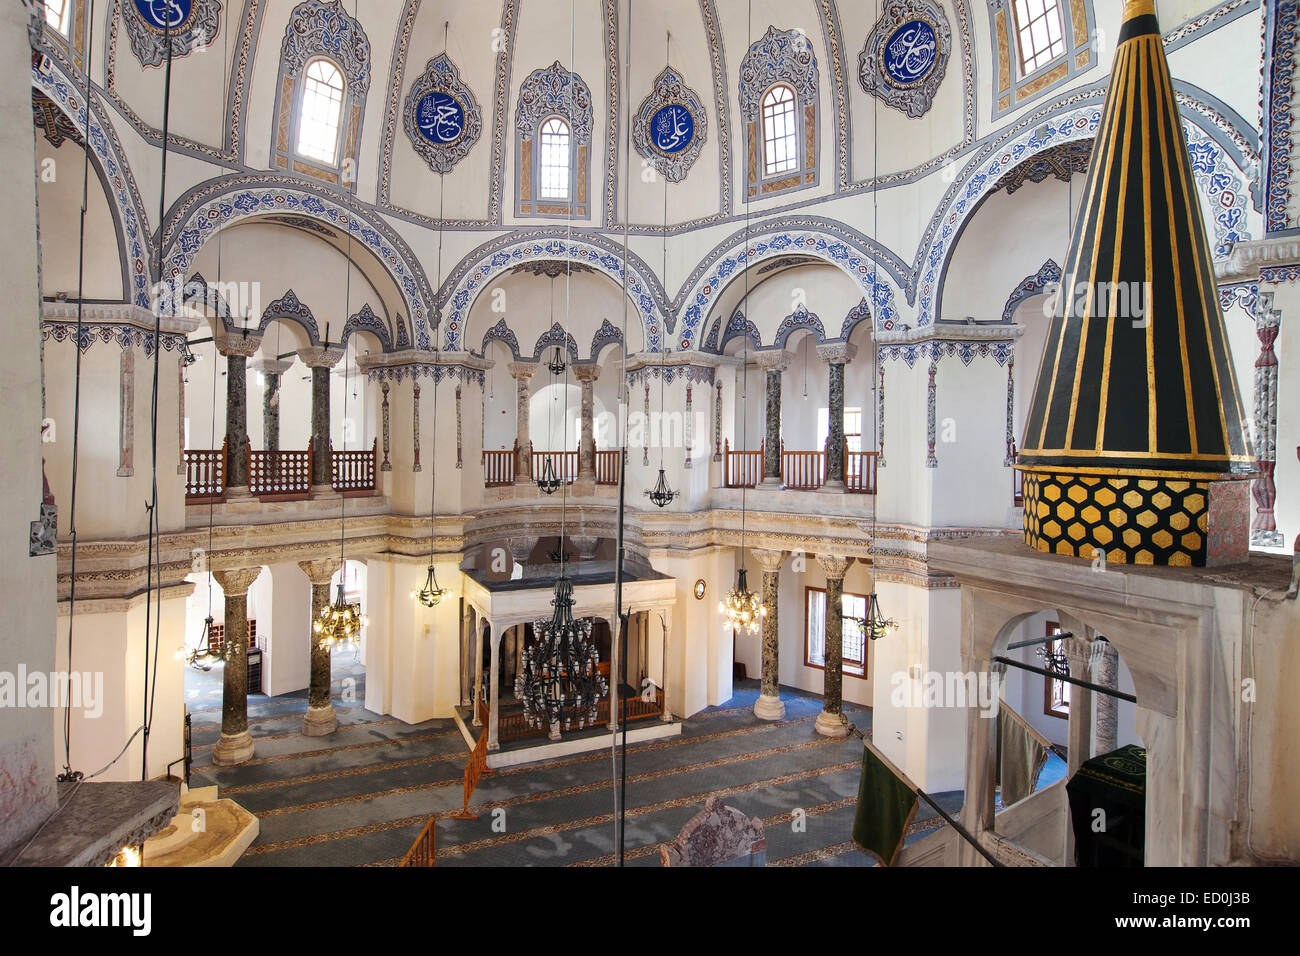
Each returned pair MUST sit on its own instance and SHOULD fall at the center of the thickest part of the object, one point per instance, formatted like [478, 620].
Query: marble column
[835, 355]
[320, 361]
[1078, 651]
[1106, 716]
[235, 745]
[586, 376]
[666, 619]
[769, 705]
[272, 370]
[773, 361]
[494, 702]
[466, 652]
[319, 719]
[831, 722]
[522, 372]
[478, 670]
[237, 349]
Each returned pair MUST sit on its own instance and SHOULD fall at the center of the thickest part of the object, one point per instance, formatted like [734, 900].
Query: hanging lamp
[741, 608]
[560, 684]
[661, 495]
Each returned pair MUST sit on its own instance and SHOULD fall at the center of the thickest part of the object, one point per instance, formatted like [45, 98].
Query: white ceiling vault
[893, 172]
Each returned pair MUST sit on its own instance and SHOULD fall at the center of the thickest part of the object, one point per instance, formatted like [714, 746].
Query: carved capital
[270, 366]
[236, 581]
[837, 353]
[522, 371]
[833, 566]
[238, 343]
[318, 356]
[769, 561]
[320, 570]
[771, 360]
[586, 373]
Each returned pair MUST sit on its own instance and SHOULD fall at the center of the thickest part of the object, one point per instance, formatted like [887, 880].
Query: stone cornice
[117, 313]
[1247, 258]
[640, 360]
[422, 358]
[945, 332]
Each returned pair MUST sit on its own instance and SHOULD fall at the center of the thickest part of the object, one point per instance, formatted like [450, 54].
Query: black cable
[68, 772]
[155, 540]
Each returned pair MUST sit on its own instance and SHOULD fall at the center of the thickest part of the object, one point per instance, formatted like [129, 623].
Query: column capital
[771, 360]
[236, 581]
[320, 570]
[1079, 652]
[833, 566]
[586, 373]
[320, 356]
[271, 366]
[837, 353]
[522, 370]
[243, 344]
[769, 561]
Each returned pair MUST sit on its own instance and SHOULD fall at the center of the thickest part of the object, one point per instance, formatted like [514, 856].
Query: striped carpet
[362, 795]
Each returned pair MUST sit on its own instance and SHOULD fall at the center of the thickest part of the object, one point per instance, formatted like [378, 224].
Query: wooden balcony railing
[205, 474]
[607, 467]
[354, 471]
[860, 471]
[279, 475]
[424, 851]
[564, 463]
[512, 726]
[802, 470]
[741, 469]
[499, 467]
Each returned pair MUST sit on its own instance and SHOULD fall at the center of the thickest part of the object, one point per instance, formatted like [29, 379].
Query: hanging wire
[68, 772]
[154, 529]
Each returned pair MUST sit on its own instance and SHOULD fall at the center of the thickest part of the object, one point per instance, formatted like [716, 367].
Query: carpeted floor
[362, 795]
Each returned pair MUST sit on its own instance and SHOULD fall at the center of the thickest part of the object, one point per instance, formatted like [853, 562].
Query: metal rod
[961, 830]
[1087, 685]
[1038, 640]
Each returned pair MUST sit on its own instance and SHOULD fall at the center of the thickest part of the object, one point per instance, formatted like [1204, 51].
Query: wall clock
[700, 588]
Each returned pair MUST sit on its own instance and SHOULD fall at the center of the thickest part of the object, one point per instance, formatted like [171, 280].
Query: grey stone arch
[321, 29]
[800, 318]
[505, 335]
[555, 336]
[365, 320]
[608, 334]
[856, 316]
[290, 308]
[739, 326]
[197, 291]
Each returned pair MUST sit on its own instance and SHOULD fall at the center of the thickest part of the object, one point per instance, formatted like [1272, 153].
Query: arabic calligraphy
[162, 14]
[440, 117]
[910, 52]
[672, 128]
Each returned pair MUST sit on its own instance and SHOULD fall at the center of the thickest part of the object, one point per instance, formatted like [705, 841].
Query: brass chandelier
[741, 607]
[339, 624]
[560, 684]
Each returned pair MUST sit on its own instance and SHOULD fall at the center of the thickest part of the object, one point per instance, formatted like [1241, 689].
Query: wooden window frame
[852, 670]
[1053, 628]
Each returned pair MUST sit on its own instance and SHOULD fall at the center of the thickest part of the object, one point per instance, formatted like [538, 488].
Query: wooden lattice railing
[498, 467]
[424, 851]
[279, 474]
[205, 474]
[860, 471]
[802, 470]
[564, 463]
[513, 726]
[607, 467]
[354, 470]
[741, 469]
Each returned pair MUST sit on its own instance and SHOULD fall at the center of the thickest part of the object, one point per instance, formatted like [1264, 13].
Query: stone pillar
[320, 360]
[237, 348]
[831, 722]
[466, 650]
[1106, 715]
[478, 670]
[615, 670]
[586, 376]
[769, 705]
[666, 619]
[319, 719]
[235, 745]
[494, 704]
[522, 372]
[835, 356]
[773, 361]
[1079, 736]
[271, 370]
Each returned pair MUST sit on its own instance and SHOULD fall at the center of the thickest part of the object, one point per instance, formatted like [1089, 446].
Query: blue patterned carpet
[362, 795]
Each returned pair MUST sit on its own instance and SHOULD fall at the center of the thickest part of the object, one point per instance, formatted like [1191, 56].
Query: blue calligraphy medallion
[440, 117]
[910, 52]
[162, 14]
[671, 128]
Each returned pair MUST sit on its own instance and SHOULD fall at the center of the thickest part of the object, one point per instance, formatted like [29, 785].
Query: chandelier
[340, 623]
[547, 482]
[556, 364]
[430, 595]
[741, 607]
[875, 625]
[661, 495]
[560, 685]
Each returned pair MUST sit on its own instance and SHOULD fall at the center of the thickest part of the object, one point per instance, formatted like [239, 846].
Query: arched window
[778, 102]
[780, 132]
[58, 14]
[322, 111]
[1038, 33]
[556, 159]
[1039, 45]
